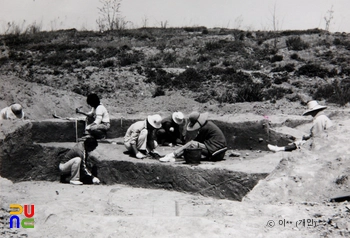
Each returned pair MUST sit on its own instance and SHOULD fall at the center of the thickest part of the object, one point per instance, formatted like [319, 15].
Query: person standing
[209, 138]
[14, 111]
[98, 122]
[74, 162]
[320, 124]
[140, 138]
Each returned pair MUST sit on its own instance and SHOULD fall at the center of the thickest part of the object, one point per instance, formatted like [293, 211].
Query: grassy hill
[215, 66]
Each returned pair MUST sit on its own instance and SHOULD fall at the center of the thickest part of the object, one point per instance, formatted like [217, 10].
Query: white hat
[196, 120]
[178, 117]
[155, 121]
[17, 110]
[313, 106]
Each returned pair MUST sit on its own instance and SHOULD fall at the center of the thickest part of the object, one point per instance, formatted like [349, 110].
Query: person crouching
[74, 163]
[140, 138]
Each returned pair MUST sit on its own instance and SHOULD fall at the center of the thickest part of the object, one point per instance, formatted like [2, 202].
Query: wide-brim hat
[17, 110]
[196, 120]
[178, 117]
[155, 121]
[313, 106]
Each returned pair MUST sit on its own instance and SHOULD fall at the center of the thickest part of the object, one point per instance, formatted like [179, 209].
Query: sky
[240, 14]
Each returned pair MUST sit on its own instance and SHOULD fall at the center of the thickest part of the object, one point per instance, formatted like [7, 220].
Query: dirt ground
[293, 201]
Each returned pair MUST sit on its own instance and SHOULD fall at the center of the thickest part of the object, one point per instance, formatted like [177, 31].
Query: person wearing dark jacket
[74, 162]
[209, 138]
[170, 133]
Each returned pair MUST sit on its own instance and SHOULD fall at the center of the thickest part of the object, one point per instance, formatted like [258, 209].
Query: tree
[329, 18]
[110, 18]
[276, 25]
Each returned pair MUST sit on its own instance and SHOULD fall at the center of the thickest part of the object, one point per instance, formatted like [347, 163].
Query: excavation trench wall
[23, 157]
[250, 135]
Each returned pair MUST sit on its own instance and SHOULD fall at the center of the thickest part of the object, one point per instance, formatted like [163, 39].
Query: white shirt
[7, 113]
[101, 113]
[320, 124]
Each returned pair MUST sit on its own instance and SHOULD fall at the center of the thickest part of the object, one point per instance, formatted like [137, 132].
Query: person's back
[320, 124]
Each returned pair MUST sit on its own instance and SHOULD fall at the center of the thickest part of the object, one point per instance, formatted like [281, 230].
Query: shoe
[168, 158]
[75, 182]
[154, 154]
[139, 155]
[275, 148]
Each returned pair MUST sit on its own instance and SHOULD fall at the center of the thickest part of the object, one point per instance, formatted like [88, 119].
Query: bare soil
[293, 201]
[296, 192]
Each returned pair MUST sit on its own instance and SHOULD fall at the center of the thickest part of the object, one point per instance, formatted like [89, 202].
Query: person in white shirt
[14, 111]
[98, 122]
[320, 124]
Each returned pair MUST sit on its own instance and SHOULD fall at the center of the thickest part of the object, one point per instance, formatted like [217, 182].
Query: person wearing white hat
[14, 111]
[170, 133]
[139, 139]
[320, 124]
[209, 138]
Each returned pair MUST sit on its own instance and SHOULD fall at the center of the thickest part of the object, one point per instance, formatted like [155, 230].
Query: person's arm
[87, 172]
[88, 114]
[99, 115]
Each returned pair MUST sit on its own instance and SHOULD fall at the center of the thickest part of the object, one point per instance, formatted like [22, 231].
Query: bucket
[193, 155]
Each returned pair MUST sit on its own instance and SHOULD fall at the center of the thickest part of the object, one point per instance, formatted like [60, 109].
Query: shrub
[276, 58]
[277, 93]
[169, 58]
[314, 70]
[206, 96]
[158, 92]
[159, 77]
[250, 93]
[337, 92]
[345, 71]
[108, 63]
[205, 32]
[128, 59]
[237, 78]
[287, 68]
[280, 79]
[190, 79]
[295, 56]
[56, 59]
[296, 43]
[228, 96]
[212, 45]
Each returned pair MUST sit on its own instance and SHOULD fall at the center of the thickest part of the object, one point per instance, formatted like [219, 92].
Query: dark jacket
[167, 123]
[213, 138]
[79, 151]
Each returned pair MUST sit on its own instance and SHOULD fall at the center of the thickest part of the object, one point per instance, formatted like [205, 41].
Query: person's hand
[95, 180]
[87, 127]
[171, 129]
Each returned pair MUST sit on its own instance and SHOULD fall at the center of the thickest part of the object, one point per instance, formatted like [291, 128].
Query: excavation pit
[30, 150]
